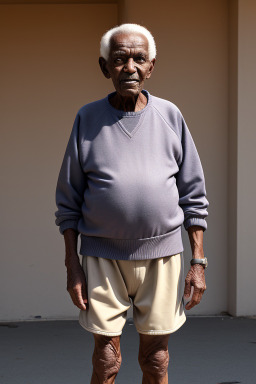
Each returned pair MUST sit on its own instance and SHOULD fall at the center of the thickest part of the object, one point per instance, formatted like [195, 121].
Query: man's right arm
[71, 184]
[76, 283]
[69, 199]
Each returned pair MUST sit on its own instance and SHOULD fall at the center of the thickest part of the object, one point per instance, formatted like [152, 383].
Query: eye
[140, 59]
[118, 60]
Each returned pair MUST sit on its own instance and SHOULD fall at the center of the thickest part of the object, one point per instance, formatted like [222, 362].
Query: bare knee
[106, 357]
[154, 359]
[155, 364]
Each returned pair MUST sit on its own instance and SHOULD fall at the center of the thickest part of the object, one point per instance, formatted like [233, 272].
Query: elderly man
[130, 178]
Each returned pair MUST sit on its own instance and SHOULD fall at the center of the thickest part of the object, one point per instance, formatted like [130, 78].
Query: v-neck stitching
[118, 114]
[133, 132]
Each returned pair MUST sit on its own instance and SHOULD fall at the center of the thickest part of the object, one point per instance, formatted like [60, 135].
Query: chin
[131, 92]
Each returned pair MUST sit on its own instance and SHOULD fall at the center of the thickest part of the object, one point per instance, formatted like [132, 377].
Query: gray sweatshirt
[128, 191]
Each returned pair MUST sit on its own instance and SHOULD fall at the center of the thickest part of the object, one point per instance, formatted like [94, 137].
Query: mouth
[129, 82]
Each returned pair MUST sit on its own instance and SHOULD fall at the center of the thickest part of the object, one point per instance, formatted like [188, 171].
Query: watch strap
[203, 262]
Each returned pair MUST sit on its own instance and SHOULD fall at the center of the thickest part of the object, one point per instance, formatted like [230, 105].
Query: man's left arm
[195, 277]
[192, 199]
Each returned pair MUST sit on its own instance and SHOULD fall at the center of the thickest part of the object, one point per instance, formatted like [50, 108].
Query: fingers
[196, 298]
[79, 297]
[196, 279]
[84, 294]
[76, 286]
[187, 290]
[82, 301]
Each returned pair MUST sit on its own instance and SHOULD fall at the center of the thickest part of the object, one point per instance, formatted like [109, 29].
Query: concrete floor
[213, 350]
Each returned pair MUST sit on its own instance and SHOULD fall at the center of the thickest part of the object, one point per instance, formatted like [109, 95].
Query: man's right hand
[76, 285]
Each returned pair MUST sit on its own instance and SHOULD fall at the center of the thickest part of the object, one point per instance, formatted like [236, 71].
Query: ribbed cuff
[195, 221]
[68, 224]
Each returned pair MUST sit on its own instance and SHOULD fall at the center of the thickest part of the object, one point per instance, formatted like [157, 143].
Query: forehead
[129, 41]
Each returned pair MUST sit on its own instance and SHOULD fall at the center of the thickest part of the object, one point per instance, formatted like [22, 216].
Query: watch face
[203, 262]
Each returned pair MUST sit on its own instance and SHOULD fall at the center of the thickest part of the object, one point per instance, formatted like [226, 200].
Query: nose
[129, 66]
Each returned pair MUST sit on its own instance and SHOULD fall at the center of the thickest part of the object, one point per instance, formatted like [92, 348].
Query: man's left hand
[195, 278]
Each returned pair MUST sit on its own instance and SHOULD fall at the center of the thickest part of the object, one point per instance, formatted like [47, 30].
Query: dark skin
[128, 66]
[195, 277]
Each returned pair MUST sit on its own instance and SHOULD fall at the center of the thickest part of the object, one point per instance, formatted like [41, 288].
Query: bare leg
[154, 358]
[106, 359]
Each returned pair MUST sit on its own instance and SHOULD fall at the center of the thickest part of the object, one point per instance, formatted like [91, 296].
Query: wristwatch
[203, 262]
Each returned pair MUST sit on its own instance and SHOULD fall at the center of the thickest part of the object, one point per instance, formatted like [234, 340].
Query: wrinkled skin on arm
[195, 276]
[76, 283]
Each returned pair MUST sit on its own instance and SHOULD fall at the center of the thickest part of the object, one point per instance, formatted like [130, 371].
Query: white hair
[127, 28]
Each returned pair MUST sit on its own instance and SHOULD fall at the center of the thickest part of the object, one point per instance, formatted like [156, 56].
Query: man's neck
[129, 104]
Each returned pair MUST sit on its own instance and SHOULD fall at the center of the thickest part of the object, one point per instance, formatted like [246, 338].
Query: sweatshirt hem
[132, 249]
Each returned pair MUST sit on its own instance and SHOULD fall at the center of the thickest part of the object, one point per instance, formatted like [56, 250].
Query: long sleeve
[71, 184]
[190, 183]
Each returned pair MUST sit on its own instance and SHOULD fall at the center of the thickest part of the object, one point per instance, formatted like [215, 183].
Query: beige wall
[49, 70]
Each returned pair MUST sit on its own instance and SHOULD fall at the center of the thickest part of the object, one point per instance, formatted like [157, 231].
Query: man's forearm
[196, 235]
[71, 257]
[76, 282]
[195, 277]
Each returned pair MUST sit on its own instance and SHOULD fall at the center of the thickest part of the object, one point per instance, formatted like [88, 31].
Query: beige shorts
[154, 287]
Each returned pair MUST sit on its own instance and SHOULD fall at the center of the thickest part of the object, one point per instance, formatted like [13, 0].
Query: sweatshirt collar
[120, 113]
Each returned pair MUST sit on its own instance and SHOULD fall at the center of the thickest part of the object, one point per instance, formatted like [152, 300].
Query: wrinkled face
[128, 64]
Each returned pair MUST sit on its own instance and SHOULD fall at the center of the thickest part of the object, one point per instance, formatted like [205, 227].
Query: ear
[103, 67]
[150, 70]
